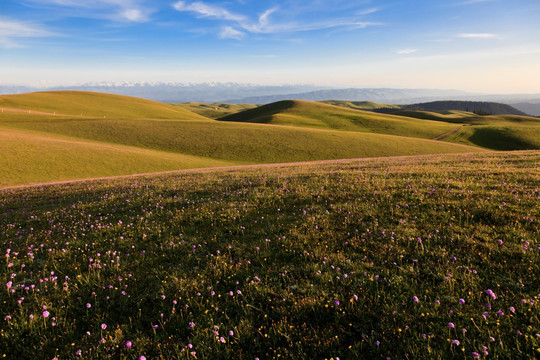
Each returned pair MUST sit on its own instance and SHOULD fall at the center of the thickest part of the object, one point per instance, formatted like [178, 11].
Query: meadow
[77, 135]
[420, 257]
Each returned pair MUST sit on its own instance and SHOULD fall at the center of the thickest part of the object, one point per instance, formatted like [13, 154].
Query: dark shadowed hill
[479, 107]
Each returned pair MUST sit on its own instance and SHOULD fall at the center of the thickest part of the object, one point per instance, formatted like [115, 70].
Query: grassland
[85, 104]
[215, 110]
[138, 136]
[426, 257]
[360, 105]
[324, 116]
[33, 157]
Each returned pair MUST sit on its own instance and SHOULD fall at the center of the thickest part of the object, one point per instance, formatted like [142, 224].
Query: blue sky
[476, 45]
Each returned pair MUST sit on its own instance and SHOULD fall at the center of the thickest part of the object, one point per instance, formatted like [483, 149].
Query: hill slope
[90, 104]
[489, 108]
[31, 157]
[318, 115]
[40, 146]
[215, 110]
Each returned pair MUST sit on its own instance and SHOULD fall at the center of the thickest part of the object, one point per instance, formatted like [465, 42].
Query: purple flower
[500, 313]
[336, 302]
[231, 333]
[415, 299]
[491, 293]
[475, 354]
[451, 325]
[512, 309]
[128, 344]
[103, 326]
[455, 342]
[142, 357]
[45, 314]
[462, 301]
[192, 324]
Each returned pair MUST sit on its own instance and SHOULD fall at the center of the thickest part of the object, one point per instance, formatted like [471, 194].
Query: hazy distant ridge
[381, 95]
[238, 93]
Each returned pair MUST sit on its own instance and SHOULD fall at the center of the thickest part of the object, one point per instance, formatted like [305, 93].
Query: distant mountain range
[237, 93]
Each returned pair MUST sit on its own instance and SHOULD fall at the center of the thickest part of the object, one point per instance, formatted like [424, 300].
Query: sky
[488, 46]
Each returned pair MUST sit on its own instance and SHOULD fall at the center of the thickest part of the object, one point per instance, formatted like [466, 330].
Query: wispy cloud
[229, 33]
[116, 10]
[10, 30]
[265, 23]
[406, 51]
[477, 36]
[207, 10]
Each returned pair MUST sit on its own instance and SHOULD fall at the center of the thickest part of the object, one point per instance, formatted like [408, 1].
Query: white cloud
[264, 23]
[134, 15]
[116, 10]
[13, 29]
[477, 36]
[229, 33]
[407, 51]
[206, 10]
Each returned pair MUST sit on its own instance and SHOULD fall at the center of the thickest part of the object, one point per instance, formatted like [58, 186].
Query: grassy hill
[99, 145]
[30, 157]
[324, 116]
[495, 132]
[227, 142]
[360, 105]
[483, 107]
[91, 104]
[425, 257]
[215, 110]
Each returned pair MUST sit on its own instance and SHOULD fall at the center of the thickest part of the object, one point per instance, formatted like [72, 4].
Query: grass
[127, 144]
[414, 257]
[90, 104]
[55, 158]
[122, 135]
[223, 142]
[499, 137]
[318, 115]
[360, 105]
[215, 110]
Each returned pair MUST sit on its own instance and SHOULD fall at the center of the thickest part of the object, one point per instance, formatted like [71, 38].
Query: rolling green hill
[128, 143]
[31, 157]
[48, 137]
[472, 106]
[324, 116]
[360, 105]
[91, 104]
[216, 110]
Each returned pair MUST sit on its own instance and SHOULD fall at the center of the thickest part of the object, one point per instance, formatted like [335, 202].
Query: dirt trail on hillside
[448, 133]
